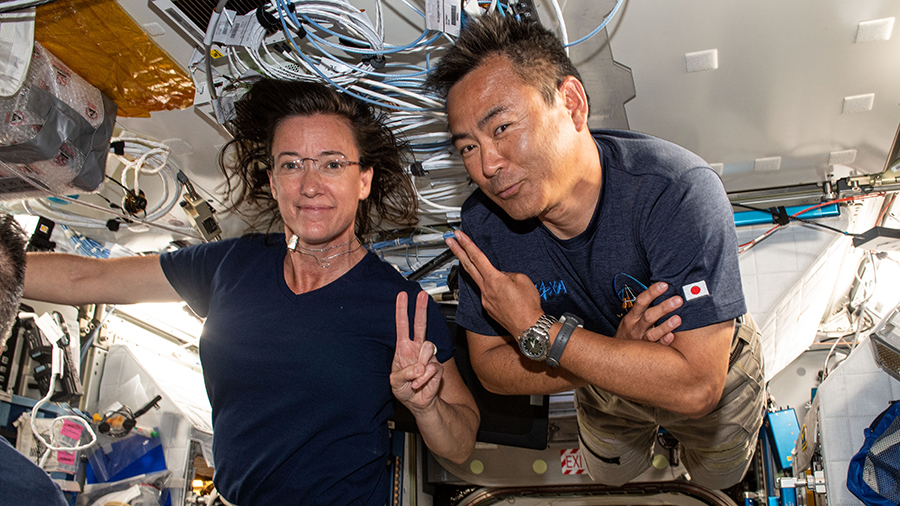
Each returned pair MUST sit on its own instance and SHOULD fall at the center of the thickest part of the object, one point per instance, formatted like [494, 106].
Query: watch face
[534, 342]
[532, 346]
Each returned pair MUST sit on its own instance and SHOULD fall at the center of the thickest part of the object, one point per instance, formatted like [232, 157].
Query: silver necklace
[294, 246]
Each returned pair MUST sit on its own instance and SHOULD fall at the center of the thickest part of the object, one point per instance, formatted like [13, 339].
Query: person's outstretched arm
[70, 279]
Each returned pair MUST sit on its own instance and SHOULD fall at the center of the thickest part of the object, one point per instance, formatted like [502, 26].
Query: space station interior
[114, 112]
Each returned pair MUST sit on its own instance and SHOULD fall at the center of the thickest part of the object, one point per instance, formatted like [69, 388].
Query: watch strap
[569, 323]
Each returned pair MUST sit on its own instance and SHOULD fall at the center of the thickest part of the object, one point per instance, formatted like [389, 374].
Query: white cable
[401, 128]
[152, 158]
[385, 98]
[440, 193]
[27, 179]
[323, 54]
[449, 164]
[840, 339]
[55, 371]
[64, 218]
[563, 34]
[428, 135]
[279, 72]
[861, 311]
[435, 206]
[344, 14]
[379, 20]
[349, 19]
[49, 444]
[17, 4]
[404, 91]
[414, 8]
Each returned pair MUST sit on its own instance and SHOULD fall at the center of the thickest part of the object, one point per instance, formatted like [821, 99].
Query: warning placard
[570, 461]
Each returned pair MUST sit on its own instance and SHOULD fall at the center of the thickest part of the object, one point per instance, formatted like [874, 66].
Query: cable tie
[377, 61]
[268, 21]
[780, 216]
[300, 31]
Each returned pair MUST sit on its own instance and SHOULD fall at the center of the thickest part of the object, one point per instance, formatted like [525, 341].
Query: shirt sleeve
[691, 243]
[191, 272]
[470, 314]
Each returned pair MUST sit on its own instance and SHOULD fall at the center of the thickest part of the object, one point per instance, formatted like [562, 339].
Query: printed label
[443, 15]
[571, 462]
[71, 430]
[65, 458]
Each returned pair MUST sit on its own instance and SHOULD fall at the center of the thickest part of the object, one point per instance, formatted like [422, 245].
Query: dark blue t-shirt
[23, 483]
[298, 384]
[663, 215]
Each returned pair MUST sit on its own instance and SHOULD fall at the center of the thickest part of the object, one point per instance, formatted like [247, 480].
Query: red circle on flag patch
[695, 290]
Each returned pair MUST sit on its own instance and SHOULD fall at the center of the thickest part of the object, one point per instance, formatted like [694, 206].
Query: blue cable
[602, 25]
[404, 241]
[281, 6]
[388, 48]
[330, 81]
[434, 146]
[400, 82]
[86, 246]
[313, 39]
[410, 66]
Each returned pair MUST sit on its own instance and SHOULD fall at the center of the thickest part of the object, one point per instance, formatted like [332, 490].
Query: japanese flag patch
[695, 290]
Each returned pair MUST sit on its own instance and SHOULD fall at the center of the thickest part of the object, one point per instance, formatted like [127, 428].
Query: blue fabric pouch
[874, 472]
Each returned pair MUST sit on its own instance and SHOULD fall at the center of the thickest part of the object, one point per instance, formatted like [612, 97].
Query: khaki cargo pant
[617, 436]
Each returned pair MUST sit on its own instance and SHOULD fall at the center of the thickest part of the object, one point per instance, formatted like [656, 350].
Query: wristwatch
[534, 342]
[569, 323]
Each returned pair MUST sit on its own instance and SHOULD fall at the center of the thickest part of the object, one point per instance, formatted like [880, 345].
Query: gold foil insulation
[98, 40]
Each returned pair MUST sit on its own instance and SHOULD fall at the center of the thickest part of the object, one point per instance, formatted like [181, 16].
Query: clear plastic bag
[142, 490]
[55, 130]
[113, 458]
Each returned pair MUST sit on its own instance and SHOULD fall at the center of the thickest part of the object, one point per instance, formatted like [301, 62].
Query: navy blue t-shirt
[663, 215]
[298, 384]
[23, 483]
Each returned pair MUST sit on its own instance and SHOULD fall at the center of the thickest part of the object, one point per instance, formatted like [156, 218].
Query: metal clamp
[814, 482]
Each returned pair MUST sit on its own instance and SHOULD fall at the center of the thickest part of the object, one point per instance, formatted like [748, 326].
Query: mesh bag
[874, 472]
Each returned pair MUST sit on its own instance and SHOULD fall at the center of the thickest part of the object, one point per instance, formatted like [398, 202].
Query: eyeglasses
[329, 166]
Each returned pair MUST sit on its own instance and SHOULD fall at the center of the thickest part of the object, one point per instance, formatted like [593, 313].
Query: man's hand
[508, 297]
[415, 372]
[512, 299]
[639, 322]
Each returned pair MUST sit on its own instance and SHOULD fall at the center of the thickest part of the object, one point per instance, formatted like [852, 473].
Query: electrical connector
[200, 212]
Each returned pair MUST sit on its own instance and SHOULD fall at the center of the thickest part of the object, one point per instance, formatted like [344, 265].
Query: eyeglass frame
[339, 157]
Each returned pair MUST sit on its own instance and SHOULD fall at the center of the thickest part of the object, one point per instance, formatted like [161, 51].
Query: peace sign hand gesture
[415, 372]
